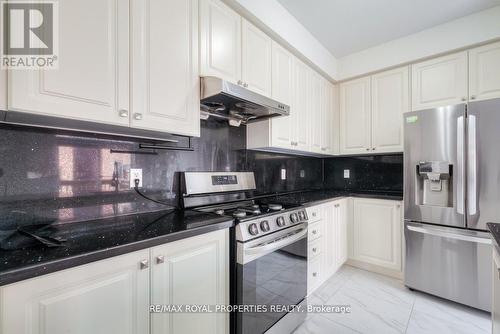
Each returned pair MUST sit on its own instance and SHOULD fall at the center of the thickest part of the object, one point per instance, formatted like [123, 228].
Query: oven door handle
[277, 244]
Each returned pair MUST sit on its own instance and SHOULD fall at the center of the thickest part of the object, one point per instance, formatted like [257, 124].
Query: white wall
[469, 30]
[283, 24]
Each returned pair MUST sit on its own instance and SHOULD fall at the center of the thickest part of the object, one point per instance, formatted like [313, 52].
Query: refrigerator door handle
[471, 166]
[460, 164]
[449, 235]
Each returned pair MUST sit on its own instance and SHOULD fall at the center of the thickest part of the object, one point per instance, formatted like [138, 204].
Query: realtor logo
[30, 34]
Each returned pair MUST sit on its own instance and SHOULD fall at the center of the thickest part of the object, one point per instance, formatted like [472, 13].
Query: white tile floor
[381, 304]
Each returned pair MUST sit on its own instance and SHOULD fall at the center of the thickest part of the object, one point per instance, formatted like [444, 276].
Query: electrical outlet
[135, 173]
[302, 173]
[347, 173]
[283, 173]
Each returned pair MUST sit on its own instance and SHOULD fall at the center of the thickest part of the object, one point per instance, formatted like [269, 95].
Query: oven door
[271, 270]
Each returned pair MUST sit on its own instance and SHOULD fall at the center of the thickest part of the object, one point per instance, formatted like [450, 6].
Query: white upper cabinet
[256, 61]
[328, 114]
[282, 90]
[355, 118]
[220, 41]
[439, 82]
[302, 118]
[165, 85]
[192, 271]
[484, 72]
[108, 296]
[389, 101]
[376, 233]
[315, 110]
[92, 82]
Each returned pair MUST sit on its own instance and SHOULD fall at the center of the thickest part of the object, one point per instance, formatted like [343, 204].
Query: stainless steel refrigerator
[452, 189]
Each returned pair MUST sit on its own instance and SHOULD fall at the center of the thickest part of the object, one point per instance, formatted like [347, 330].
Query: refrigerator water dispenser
[434, 183]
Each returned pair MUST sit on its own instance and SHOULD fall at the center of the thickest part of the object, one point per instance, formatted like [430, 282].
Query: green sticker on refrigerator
[411, 119]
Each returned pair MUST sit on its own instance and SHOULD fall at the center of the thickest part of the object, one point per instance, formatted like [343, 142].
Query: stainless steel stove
[269, 247]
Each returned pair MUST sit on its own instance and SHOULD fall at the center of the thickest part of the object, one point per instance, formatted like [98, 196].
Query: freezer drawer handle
[438, 233]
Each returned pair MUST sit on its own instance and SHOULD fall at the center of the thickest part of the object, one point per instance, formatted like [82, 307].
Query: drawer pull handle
[315, 249]
[314, 232]
[160, 259]
[315, 274]
[314, 214]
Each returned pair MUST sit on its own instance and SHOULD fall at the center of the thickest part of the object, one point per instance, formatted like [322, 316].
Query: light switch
[283, 173]
[347, 173]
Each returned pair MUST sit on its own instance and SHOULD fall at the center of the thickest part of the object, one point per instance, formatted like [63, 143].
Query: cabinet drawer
[314, 248]
[314, 213]
[315, 231]
[314, 275]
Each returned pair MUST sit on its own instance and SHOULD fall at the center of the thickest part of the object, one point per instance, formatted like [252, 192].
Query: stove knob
[280, 221]
[253, 229]
[294, 218]
[302, 215]
[264, 226]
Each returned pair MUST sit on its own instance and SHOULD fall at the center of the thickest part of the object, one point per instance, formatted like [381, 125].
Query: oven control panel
[258, 227]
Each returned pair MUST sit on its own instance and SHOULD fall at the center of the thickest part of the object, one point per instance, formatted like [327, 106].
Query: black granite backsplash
[56, 175]
[367, 173]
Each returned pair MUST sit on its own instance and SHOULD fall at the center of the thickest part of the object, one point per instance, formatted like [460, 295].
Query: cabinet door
[377, 232]
[302, 118]
[192, 271]
[109, 296]
[165, 66]
[315, 110]
[341, 221]
[256, 48]
[389, 101]
[282, 88]
[439, 82]
[484, 72]
[355, 122]
[330, 222]
[327, 119]
[220, 41]
[92, 81]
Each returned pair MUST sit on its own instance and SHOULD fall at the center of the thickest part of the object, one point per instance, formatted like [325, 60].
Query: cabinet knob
[123, 113]
[337, 205]
[373, 148]
[315, 249]
[138, 116]
[315, 274]
[367, 149]
[160, 259]
[464, 99]
[245, 85]
[240, 82]
[473, 97]
[314, 232]
[314, 214]
[144, 264]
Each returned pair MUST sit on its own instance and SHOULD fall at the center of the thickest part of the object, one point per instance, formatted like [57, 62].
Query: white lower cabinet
[114, 295]
[109, 296]
[327, 241]
[376, 233]
[192, 271]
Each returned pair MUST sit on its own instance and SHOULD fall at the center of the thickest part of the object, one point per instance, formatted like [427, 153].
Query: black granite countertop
[315, 197]
[99, 239]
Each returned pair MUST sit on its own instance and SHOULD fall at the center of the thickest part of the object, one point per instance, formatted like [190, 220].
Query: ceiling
[348, 26]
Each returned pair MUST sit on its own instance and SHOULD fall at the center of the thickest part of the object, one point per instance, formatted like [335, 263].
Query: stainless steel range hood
[223, 99]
